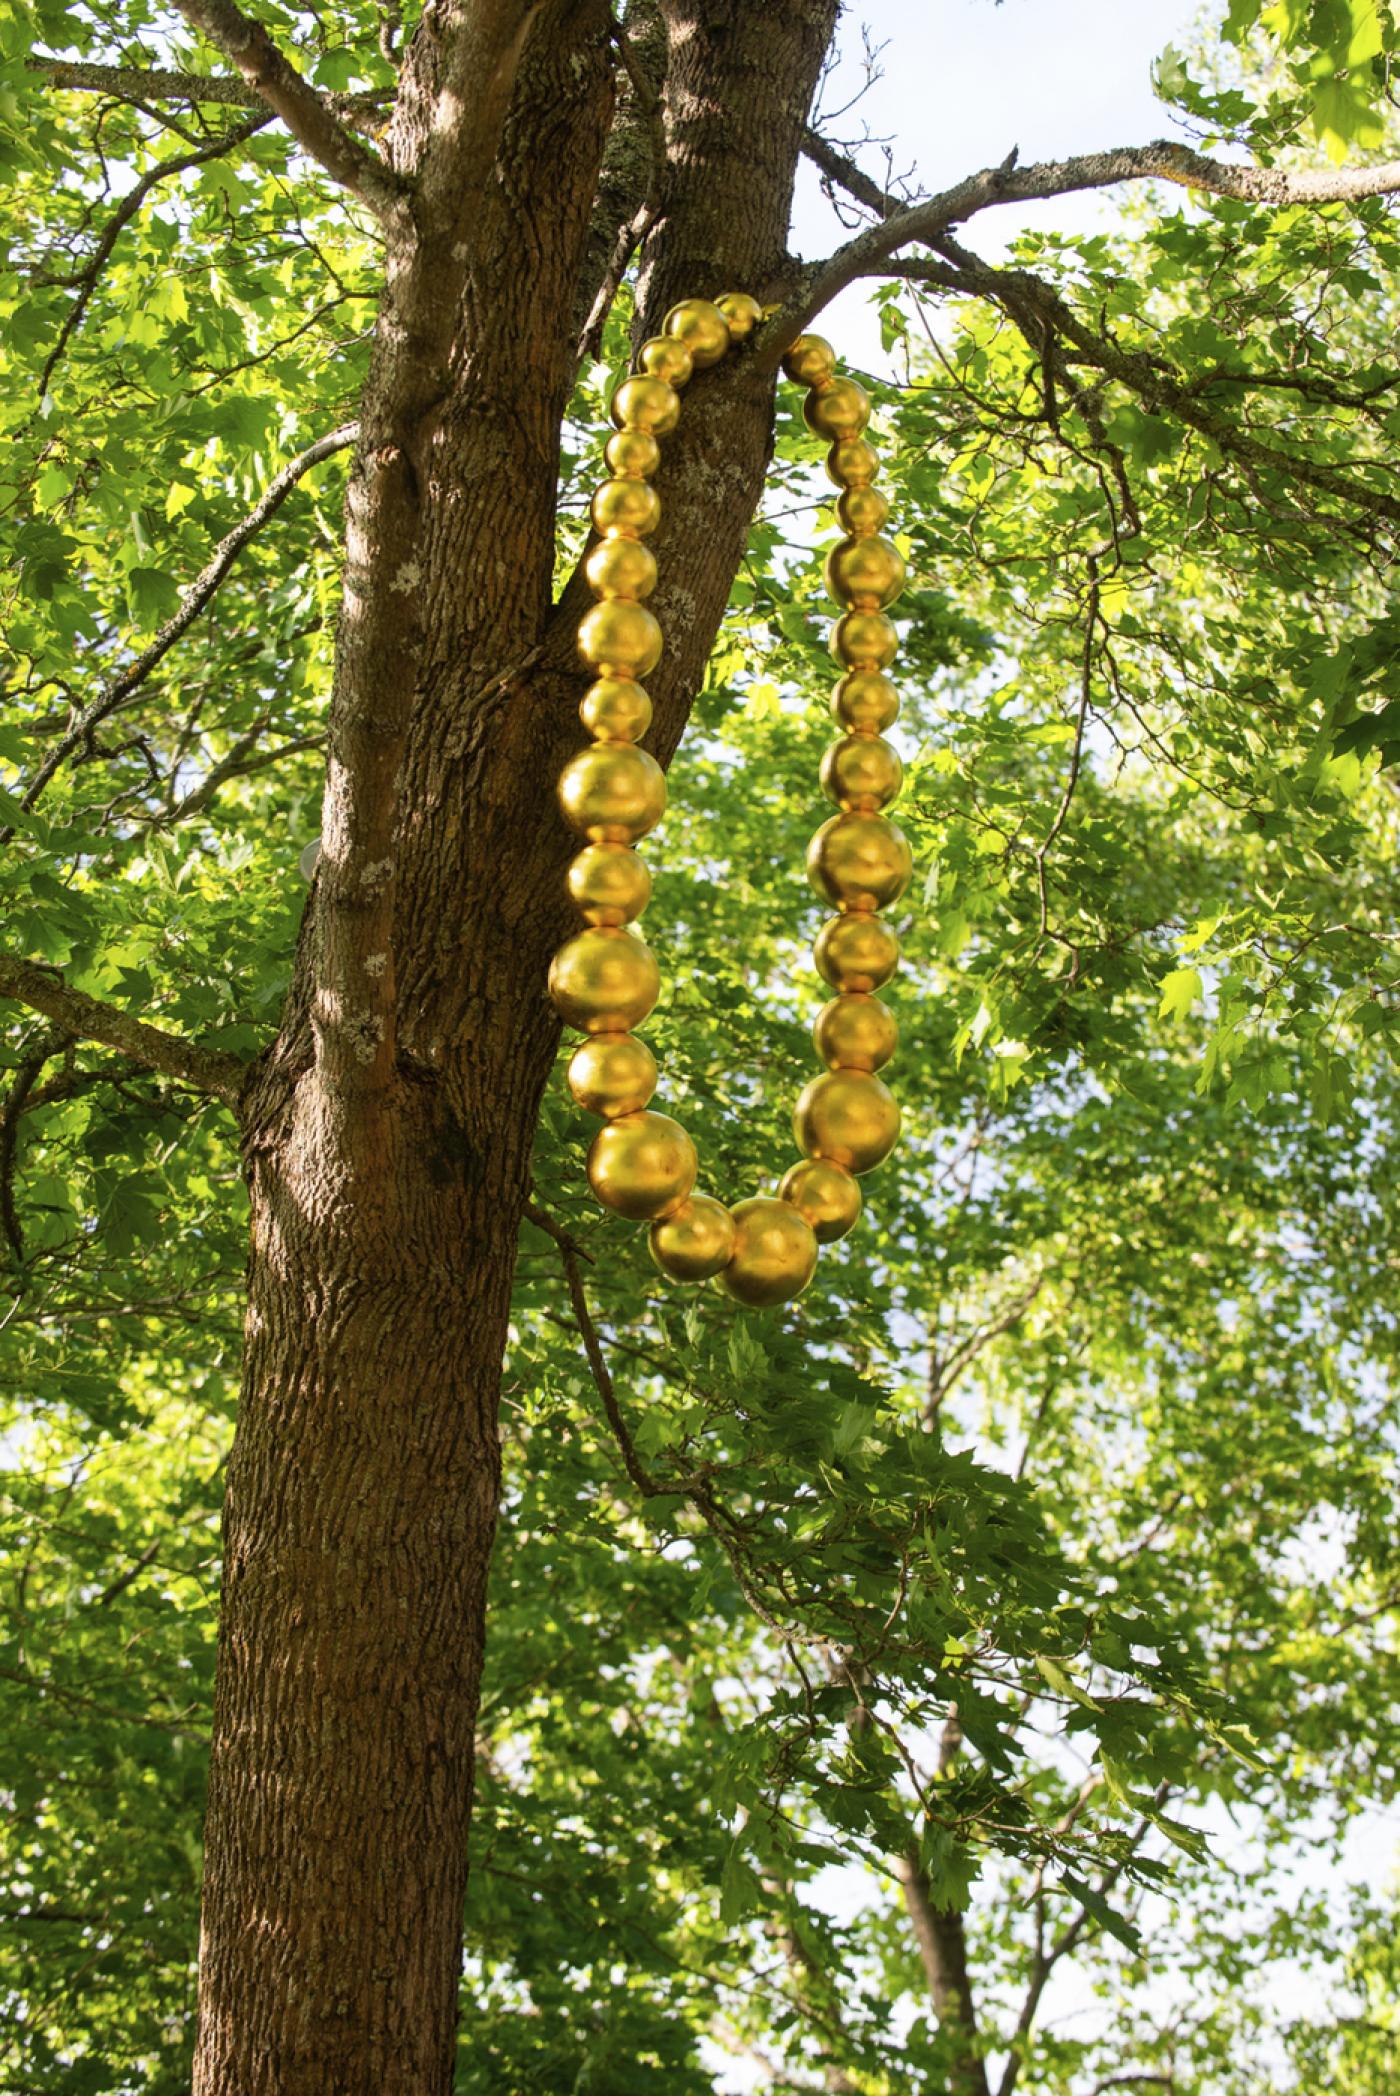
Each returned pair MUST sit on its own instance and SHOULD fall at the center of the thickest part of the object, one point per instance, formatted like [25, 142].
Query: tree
[403, 247]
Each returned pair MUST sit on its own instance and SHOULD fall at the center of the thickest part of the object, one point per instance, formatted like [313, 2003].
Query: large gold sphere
[860, 862]
[612, 1074]
[811, 361]
[702, 327]
[615, 709]
[864, 640]
[620, 639]
[609, 884]
[632, 454]
[604, 981]
[862, 510]
[858, 953]
[862, 773]
[666, 356]
[642, 1166]
[865, 700]
[647, 404]
[840, 412]
[612, 792]
[625, 509]
[825, 1194]
[868, 573]
[741, 313]
[852, 463]
[622, 567]
[775, 1253]
[695, 1242]
[849, 1117]
[855, 1033]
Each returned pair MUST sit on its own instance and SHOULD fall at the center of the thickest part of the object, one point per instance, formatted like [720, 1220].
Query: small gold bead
[867, 573]
[604, 981]
[839, 413]
[642, 1166]
[612, 792]
[609, 884]
[612, 1074]
[741, 314]
[865, 701]
[860, 862]
[811, 361]
[666, 356]
[864, 640]
[862, 773]
[775, 1253]
[825, 1194]
[621, 567]
[632, 454]
[626, 509]
[855, 1032]
[695, 1242]
[863, 511]
[615, 709]
[848, 1117]
[852, 463]
[702, 327]
[856, 954]
[647, 404]
[619, 639]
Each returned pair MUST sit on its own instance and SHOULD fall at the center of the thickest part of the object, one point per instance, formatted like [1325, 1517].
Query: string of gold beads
[604, 980]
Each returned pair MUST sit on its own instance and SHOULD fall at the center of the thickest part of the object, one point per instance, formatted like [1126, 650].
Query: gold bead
[612, 1074]
[840, 412]
[620, 639]
[609, 884]
[626, 509]
[860, 862]
[863, 511]
[775, 1253]
[825, 1194]
[855, 1033]
[642, 1166]
[621, 567]
[865, 701]
[864, 640]
[852, 463]
[615, 709]
[811, 361]
[612, 792]
[647, 404]
[741, 313]
[632, 454]
[862, 773]
[848, 1117]
[694, 1242]
[856, 954]
[666, 356]
[702, 327]
[604, 981]
[868, 573]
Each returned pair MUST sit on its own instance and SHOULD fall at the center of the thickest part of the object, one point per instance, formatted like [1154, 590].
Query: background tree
[1062, 1499]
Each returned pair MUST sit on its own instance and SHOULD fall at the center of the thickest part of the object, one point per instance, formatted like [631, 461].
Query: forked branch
[89, 1019]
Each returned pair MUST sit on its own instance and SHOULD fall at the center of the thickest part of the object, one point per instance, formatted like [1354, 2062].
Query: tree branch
[88, 1018]
[142, 84]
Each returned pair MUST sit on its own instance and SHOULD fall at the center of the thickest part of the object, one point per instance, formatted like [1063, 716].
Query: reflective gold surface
[865, 699]
[858, 954]
[622, 639]
[642, 1166]
[860, 862]
[609, 884]
[632, 455]
[862, 772]
[604, 981]
[849, 1117]
[615, 709]
[741, 313]
[612, 792]
[864, 640]
[863, 510]
[868, 573]
[840, 411]
[626, 508]
[695, 1242]
[647, 404]
[852, 463]
[702, 328]
[825, 1194]
[775, 1253]
[811, 360]
[855, 1033]
[621, 567]
[612, 1074]
[666, 356]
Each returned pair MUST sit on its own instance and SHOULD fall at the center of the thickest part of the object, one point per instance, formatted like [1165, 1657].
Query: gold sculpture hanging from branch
[604, 980]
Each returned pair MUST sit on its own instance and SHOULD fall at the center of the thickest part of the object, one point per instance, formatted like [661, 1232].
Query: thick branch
[87, 1018]
[142, 84]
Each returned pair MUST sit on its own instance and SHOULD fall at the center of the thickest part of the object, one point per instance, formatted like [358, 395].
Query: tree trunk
[388, 1134]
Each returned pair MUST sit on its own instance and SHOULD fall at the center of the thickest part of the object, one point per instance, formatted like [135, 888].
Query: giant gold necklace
[604, 980]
